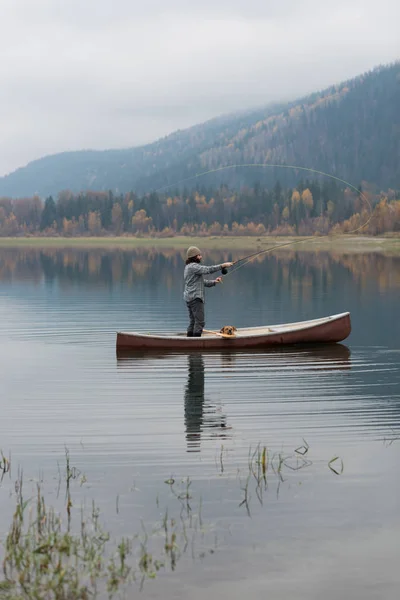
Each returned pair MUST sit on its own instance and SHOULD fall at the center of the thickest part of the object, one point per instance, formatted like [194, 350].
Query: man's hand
[226, 265]
[218, 280]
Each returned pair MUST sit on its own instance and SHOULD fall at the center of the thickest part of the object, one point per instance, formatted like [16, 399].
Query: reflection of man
[199, 415]
[194, 401]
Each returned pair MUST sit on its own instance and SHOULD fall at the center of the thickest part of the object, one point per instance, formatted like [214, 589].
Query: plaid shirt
[194, 282]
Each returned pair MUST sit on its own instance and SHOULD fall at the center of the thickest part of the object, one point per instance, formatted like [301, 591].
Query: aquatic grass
[68, 555]
[47, 556]
[5, 465]
[303, 449]
[336, 465]
[388, 441]
[44, 559]
[265, 467]
[221, 459]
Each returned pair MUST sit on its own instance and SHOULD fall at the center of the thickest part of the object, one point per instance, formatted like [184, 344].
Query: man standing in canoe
[194, 288]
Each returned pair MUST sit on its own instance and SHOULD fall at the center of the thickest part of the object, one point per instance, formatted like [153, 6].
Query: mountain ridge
[350, 130]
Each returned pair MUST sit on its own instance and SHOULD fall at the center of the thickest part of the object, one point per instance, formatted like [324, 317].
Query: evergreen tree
[49, 214]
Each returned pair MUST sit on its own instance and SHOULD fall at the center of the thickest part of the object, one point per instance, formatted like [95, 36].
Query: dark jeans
[196, 317]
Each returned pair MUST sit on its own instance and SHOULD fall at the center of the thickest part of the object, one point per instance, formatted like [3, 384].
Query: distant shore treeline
[311, 207]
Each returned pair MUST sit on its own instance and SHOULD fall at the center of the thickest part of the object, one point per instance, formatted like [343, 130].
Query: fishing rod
[241, 262]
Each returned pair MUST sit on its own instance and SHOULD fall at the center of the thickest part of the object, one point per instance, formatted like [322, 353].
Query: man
[194, 288]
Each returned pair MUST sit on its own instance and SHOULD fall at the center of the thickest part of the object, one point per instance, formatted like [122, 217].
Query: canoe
[332, 329]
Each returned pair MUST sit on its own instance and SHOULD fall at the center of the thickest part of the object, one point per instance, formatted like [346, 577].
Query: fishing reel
[224, 271]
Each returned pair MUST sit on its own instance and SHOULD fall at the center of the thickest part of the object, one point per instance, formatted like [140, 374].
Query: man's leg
[191, 320]
[199, 320]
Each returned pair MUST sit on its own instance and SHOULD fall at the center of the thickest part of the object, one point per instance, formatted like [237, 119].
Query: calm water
[131, 424]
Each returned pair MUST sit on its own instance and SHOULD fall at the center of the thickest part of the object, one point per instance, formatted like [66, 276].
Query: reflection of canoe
[318, 357]
[326, 330]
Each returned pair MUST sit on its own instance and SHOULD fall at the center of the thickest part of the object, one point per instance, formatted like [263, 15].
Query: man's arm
[203, 270]
[212, 282]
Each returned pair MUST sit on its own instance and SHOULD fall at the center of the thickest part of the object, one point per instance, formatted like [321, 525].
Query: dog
[228, 330]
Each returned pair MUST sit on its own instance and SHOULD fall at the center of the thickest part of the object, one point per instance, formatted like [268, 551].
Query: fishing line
[241, 262]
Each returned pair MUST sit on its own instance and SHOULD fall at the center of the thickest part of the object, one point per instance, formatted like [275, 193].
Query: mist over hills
[350, 130]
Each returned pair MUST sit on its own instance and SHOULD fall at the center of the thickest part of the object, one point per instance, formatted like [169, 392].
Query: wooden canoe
[325, 330]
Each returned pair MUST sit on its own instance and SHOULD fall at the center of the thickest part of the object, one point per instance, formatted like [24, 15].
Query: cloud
[116, 73]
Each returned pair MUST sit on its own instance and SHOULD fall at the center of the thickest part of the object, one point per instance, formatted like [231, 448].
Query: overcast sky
[100, 74]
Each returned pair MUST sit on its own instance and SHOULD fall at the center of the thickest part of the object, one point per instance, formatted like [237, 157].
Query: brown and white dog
[228, 330]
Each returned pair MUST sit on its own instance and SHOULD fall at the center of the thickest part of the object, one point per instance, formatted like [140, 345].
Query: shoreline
[338, 243]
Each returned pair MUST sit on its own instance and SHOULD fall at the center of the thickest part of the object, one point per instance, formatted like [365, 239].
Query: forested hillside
[351, 130]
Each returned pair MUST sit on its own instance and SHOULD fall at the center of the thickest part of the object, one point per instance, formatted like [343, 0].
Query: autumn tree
[307, 199]
[94, 223]
[141, 223]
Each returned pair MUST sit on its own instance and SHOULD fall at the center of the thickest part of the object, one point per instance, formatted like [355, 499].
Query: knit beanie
[192, 252]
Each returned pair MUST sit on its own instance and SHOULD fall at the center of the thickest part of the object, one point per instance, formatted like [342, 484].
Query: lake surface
[311, 527]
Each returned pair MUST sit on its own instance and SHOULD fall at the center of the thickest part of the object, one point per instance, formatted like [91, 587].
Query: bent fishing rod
[241, 262]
